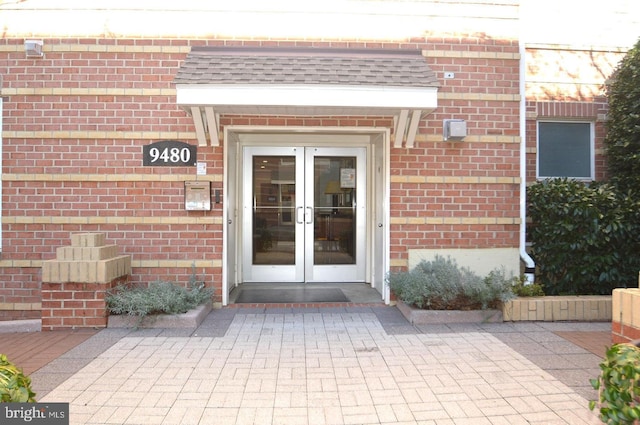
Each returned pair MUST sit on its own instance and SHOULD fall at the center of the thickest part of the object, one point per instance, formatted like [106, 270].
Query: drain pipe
[1, 145]
[529, 264]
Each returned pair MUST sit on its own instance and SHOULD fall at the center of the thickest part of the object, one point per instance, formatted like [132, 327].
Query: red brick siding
[21, 285]
[75, 305]
[568, 85]
[623, 333]
[464, 159]
[122, 113]
[569, 111]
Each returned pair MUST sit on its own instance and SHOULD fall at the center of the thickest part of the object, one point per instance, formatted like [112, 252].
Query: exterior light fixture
[454, 130]
[33, 48]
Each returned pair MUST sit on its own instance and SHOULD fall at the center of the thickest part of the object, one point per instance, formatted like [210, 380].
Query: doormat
[293, 295]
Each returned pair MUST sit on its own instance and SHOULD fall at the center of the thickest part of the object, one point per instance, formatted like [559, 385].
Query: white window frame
[592, 160]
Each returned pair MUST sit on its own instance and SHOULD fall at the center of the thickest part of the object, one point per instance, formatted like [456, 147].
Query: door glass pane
[274, 210]
[334, 210]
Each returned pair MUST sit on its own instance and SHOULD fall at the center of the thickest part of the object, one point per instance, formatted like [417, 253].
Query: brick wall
[565, 84]
[76, 120]
[72, 305]
[594, 111]
[462, 194]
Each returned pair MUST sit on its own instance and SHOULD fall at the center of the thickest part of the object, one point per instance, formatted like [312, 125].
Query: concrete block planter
[190, 319]
[419, 316]
[553, 308]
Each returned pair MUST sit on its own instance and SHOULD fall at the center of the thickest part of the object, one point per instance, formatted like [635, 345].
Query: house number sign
[169, 153]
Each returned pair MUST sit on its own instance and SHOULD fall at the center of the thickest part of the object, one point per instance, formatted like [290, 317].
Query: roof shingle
[306, 66]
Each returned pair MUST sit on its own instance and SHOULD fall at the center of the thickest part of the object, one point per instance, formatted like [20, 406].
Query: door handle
[298, 215]
[310, 215]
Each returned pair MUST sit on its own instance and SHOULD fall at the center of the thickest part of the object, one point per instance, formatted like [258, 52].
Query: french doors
[303, 214]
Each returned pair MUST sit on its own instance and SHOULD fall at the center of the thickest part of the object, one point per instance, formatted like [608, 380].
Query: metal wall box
[197, 196]
[454, 130]
[33, 48]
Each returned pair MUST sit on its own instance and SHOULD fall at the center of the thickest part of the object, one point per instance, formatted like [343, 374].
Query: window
[565, 149]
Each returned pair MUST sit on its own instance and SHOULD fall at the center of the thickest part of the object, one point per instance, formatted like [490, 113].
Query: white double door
[303, 214]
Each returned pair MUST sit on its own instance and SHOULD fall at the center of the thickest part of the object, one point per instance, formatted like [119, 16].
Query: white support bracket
[213, 125]
[400, 123]
[199, 124]
[413, 127]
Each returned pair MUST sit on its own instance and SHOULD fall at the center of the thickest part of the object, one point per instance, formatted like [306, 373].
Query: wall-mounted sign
[197, 196]
[201, 169]
[169, 153]
[347, 178]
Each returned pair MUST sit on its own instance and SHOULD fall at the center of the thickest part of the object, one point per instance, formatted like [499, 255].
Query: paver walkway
[33, 350]
[594, 342]
[316, 368]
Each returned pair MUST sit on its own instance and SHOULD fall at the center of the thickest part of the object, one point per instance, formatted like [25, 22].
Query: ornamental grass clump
[443, 285]
[157, 298]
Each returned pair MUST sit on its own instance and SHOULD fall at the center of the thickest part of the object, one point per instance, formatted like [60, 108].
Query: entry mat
[292, 295]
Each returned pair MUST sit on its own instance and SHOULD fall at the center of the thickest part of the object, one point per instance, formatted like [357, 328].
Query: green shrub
[619, 386]
[15, 387]
[586, 236]
[158, 297]
[442, 285]
[583, 236]
[622, 141]
[521, 289]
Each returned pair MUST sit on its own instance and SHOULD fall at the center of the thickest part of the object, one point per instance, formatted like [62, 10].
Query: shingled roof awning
[306, 82]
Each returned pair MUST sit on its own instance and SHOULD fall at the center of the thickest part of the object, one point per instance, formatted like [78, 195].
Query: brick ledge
[554, 308]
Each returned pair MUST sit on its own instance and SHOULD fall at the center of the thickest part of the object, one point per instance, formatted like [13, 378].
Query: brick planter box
[419, 316]
[190, 319]
[625, 323]
[74, 285]
[579, 308]
[71, 305]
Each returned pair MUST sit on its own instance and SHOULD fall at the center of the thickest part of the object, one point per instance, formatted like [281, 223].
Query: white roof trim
[311, 95]
[406, 104]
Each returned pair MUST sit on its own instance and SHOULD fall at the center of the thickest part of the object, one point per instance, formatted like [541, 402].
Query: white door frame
[342, 273]
[304, 252]
[377, 141]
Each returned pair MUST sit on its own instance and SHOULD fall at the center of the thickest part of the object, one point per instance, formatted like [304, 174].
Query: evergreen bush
[584, 237]
[443, 285]
[622, 141]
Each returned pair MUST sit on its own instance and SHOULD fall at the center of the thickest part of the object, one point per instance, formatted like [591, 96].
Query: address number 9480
[173, 155]
[169, 152]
